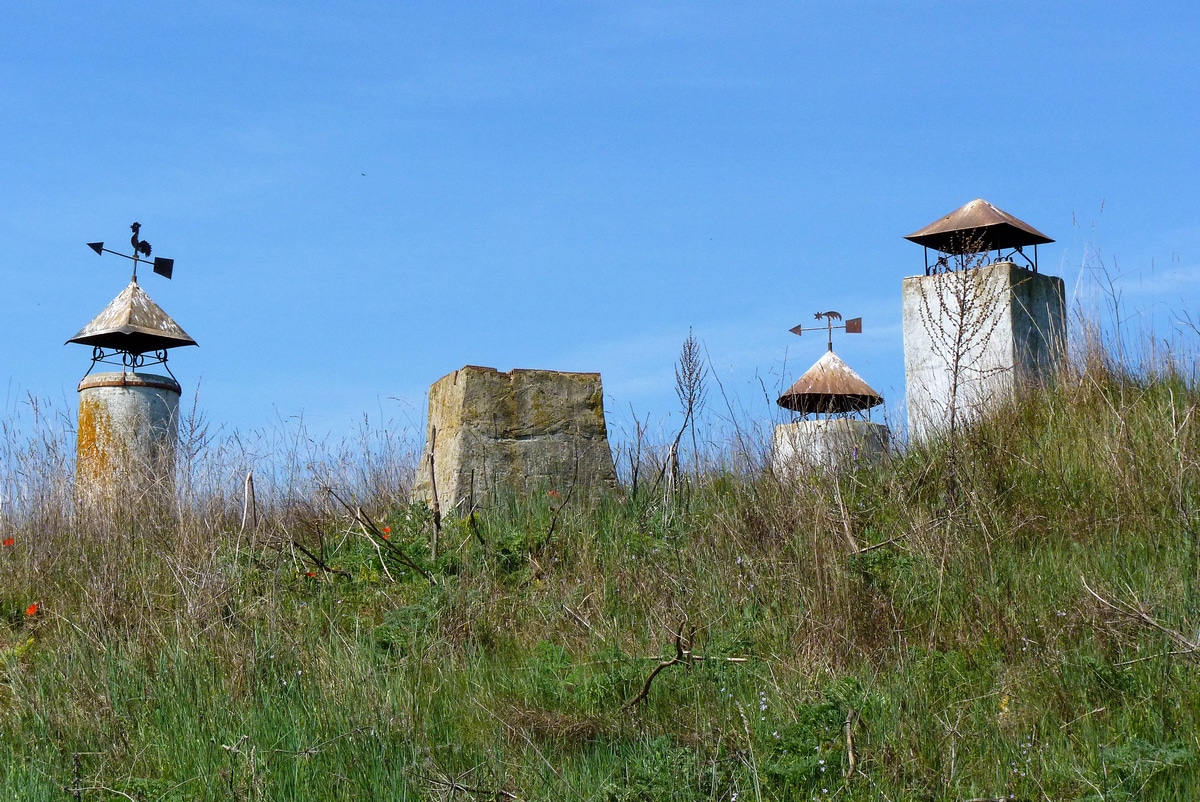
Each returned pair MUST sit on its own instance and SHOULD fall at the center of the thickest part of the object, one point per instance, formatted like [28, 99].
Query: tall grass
[934, 608]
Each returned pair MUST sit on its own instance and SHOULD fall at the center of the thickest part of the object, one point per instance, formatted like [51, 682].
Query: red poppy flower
[386, 536]
[8, 541]
[554, 494]
[309, 574]
[32, 609]
[387, 530]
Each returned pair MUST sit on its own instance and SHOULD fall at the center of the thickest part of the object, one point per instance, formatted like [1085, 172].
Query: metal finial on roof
[830, 386]
[162, 266]
[851, 326]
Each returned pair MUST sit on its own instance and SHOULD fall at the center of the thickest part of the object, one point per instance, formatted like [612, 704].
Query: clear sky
[363, 197]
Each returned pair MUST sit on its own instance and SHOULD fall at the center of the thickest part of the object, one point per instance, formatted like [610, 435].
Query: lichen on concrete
[125, 442]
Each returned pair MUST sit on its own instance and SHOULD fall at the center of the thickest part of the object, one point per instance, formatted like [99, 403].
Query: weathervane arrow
[161, 265]
[851, 326]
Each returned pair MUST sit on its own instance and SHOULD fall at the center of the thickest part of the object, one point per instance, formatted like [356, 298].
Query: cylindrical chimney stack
[128, 427]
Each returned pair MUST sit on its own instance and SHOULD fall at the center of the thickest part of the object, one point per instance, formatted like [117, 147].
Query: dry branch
[681, 655]
[1139, 613]
[454, 787]
[851, 757]
[357, 514]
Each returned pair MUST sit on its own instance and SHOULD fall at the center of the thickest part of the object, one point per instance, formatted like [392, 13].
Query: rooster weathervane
[141, 252]
[851, 326]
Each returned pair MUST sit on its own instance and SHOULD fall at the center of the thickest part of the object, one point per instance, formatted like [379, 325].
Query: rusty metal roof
[829, 386]
[976, 227]
[133, 322]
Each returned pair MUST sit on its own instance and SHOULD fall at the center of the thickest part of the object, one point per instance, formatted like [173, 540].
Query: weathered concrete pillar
[493, 434]
[832, 444]
[973, 337]
[128, 427]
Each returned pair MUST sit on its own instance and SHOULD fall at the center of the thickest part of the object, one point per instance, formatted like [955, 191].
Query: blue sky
[363, 197]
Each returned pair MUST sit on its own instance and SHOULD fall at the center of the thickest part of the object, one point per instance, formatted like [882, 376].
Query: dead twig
[1141, 615]
[401, 556]
[681, 655]
[851, 757]
[1085, 715]
[471, 514]
[565, 501]
[249, 503]
[887, 542]
[317, 561]
[453, 786]
[312, 750]
[437, 507]
[845, 516]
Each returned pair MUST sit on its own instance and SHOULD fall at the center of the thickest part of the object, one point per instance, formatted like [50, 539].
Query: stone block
[494, 434]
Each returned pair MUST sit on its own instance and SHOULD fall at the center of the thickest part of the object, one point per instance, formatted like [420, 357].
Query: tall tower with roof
[981, 322]
[129, 418]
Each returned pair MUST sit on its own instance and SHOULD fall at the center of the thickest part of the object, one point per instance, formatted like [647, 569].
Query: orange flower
[554, 494]
[387, 530]
[8, 541]
[32, 609]
[309, 574]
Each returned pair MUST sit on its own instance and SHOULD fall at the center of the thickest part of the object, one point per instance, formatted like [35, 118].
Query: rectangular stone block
[492, 434]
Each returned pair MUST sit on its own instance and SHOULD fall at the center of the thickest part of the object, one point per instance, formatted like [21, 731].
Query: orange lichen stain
[94, 445]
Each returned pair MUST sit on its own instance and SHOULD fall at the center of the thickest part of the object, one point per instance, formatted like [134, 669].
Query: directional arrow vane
[162, 266]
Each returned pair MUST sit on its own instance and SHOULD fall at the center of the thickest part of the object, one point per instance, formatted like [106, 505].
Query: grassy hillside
[921, 629]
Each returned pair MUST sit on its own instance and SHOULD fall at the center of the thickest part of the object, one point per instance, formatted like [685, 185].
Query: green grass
[184, 659]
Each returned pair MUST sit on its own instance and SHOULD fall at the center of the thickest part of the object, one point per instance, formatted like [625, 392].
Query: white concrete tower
[981, 322]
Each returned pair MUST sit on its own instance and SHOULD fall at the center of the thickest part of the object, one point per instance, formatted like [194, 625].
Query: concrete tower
[981, 322]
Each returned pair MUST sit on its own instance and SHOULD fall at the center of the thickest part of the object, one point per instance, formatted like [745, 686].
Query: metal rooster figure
[141, 250]
[139, 246]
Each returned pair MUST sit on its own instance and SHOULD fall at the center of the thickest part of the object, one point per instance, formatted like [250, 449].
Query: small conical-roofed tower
[831, 397]
[829, 387]
[981, 322]
[128, 418]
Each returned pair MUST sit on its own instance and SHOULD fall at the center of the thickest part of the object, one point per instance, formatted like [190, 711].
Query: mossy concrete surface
[492, 434]
[128, 425]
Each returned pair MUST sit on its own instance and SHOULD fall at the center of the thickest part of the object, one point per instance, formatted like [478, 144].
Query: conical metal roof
[829, 386]
[133, 322]
[976, 227]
